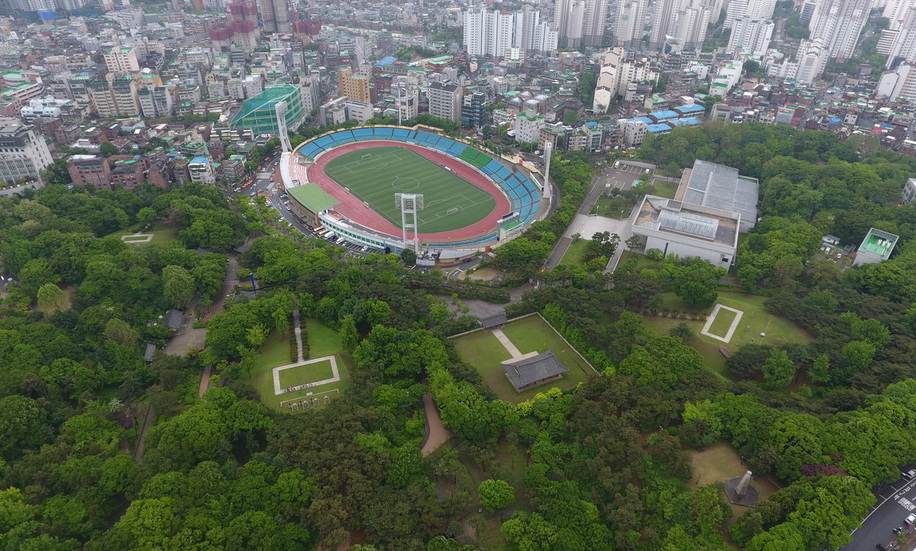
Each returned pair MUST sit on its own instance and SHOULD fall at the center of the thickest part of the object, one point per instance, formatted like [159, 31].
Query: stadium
[390, 188]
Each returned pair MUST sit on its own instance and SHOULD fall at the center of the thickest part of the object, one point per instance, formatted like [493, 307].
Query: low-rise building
[200, 170]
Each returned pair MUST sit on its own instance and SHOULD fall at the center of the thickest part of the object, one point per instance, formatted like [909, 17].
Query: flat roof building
[720, 187]
[259, 112]
[688, 231]
[876, 247]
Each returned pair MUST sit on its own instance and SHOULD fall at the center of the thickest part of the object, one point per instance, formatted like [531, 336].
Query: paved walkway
[297, 329]
[507, 344]
[204, 382]
[436, 433]
[148, 421]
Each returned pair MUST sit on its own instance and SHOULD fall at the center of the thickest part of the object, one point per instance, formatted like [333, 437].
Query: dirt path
[436, 434]
[148, 421]
[204, 382]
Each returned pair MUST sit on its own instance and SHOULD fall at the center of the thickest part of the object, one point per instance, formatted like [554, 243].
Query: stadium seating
[521, 190]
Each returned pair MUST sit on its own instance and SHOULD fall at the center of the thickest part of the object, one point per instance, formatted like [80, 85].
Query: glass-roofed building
[259, 112]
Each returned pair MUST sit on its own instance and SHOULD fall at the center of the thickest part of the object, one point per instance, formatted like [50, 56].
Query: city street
[894, 502]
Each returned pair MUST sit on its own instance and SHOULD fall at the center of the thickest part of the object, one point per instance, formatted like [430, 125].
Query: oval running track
[353, 207]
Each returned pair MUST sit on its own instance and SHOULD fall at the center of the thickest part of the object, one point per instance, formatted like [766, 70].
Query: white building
[607, 82]
[811, 60]
[838, 23]
[727, 76]
[46, 108]
[664, 22]
[445, 101]
[688, 231]
[358, 111]
[898, 84]
[121, 59]
[527, 127]
[904, 43]
[201, 170]
[631, 15]
[909, 191]
[494, 33]
[750, 36]
[253, 85]
[23, 153]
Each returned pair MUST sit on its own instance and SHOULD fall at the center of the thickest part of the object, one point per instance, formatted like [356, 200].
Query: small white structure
[876, 247]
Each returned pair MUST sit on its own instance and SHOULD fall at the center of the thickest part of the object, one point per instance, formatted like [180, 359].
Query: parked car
[910, 520]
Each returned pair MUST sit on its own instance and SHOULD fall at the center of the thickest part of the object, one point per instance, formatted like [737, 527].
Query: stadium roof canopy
[312, 197]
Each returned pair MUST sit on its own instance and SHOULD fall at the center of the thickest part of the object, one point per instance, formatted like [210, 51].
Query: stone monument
[739, 491]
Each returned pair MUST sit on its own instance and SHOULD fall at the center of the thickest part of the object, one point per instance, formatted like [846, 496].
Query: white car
[910, 520]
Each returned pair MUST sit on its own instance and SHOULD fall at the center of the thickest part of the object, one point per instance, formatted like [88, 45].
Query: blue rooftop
[386, 61]
[662, 115]
[591, 124]
[658, 128]
[646, 120]
[199, 159]
[690, 108]
[687, 121]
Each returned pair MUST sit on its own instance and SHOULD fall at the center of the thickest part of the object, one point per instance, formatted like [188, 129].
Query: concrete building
[876, 247]
[275, 16]
[898, 84]
[838, 24]
[750, 36]
[260, 115]
[909, 191]
[333, 112]
[811, 60]
[445, 101]
[688, 231]
[722, 188]
[903, 46]
[631, 15]
[494, 33]
[354, 86]
[527, 127]
[200, 170]
[358, 111]
[23, 153]
[89, 171]
[121, 59]
[473, 110]
[664, 21]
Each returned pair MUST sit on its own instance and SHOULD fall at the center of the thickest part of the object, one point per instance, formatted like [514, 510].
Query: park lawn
[277, 351]
[374, 175]
[720, 462]
[755, 320]
[663, 188]
[722, 322]
[306, 374]
[161, 234]
[482, 351]
[613, 207]
[575, 254]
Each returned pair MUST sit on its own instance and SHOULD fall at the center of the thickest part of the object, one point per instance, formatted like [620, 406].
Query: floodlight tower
[282, 130]
[410, 204]
[548, 150]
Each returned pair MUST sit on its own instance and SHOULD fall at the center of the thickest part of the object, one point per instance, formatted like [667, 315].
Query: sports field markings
[335, 375]
[731, 328]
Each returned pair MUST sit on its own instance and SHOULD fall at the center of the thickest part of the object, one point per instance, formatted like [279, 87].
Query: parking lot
[895, 503]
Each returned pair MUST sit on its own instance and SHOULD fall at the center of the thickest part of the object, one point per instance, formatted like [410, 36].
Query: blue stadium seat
[383, 132]
[362, 133]
[400, 134]
[457, 149]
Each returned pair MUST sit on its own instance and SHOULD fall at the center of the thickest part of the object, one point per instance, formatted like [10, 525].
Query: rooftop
[530, 371]
[312, 197]
[720, 187]
[671, 216]
[879, 243]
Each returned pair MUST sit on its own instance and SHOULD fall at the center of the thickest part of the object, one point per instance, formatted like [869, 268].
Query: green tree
[694, 280]
[408, 257]
[146, 216]
[778, 370]
[348, 335]
[177, 286]
[495, 494]
[107, 149]
[530, 532]
[51, 299]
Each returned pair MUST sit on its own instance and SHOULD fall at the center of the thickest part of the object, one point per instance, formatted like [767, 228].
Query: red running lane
[353, 208]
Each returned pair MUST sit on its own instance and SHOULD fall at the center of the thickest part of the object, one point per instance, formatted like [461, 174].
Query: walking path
[204, 382]
[436, 434]
[507, 344]
[297, 329]
[148, 420]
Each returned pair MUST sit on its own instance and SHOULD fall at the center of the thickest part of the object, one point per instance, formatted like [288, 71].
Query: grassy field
[575, 253]
[719, 463]
[276, 351]
[484, 352]
[722, 323]
[161, 234]
[375, 175]
[618, 207]
[663, 188]
[306, 374]
[756, 326]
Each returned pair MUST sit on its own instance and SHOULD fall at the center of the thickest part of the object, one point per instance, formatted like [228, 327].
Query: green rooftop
[312, 197]
[879, 243]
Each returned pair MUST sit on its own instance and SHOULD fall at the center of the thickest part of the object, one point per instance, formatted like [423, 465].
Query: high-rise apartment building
[473, 110]
[493, 33]
[904, 45]
[663, 23]
[838, 24]
[445, 101]
[631, 16]
[898, 84]
[580, 22]
[274, 16]
[121, 59]
[23, 153]
[750, 36]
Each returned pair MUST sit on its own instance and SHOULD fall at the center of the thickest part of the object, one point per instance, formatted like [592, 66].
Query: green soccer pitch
[375, 175]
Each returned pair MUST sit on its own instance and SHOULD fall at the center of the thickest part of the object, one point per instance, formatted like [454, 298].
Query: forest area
[606, 465]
